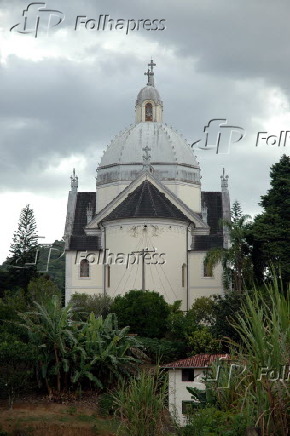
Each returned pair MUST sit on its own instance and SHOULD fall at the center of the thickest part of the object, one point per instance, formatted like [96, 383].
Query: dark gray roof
[79, 240]
[205, 242]
[213, 203]
[146, 202]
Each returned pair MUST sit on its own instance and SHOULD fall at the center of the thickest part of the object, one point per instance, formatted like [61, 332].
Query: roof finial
[146, 157]
[74, 181]
[224, 180]
[89, 213]
[150, 73]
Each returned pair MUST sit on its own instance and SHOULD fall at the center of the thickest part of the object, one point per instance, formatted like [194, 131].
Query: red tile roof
[197, 361]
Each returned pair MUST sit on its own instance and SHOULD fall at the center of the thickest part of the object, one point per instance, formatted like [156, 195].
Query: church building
[148, 224]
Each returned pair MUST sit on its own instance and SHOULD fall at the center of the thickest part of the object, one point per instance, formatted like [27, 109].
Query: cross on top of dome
[150, 73]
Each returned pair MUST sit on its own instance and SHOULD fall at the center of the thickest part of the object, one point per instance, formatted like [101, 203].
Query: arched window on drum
[148, 112]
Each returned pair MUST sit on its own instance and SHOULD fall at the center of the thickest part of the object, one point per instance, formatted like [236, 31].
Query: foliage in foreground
[90, 354]
[140, 405]
[252, 389]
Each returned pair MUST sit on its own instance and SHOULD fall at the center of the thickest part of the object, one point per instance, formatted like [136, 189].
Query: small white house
[187, 373]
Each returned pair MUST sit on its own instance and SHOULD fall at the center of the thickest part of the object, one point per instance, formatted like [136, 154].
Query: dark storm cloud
[55, 108]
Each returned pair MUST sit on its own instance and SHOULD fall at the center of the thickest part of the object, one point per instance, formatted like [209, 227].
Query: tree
[145, 312]
[23, 250]
[236, 260]
[271, 229]
[25, 239]
[42, 289]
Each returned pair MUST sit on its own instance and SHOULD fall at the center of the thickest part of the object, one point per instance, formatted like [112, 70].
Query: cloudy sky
[65, 94]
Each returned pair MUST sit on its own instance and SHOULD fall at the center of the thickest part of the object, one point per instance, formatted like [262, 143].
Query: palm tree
[235, 260]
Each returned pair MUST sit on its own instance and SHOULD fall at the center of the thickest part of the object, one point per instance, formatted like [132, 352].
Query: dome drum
[164, 172]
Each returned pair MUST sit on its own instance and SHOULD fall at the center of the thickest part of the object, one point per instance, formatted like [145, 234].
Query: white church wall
[163, 272]
[107, 193]
[87, 285]
[188, 193]
[199, 285]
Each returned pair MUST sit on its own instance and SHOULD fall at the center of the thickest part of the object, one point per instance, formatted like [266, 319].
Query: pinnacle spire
[74, 181]
[224, 180]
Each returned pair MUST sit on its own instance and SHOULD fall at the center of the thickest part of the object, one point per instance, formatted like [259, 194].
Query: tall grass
[264, 328]
[140, 405]
[258, 388]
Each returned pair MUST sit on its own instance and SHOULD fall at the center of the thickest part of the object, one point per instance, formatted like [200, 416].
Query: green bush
[17, 366]
[145, 312]
[83, 305]
[213, 422]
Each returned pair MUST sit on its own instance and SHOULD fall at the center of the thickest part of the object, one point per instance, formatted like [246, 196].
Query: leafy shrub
[83, 305]
[17, 364]
[145, 312]
[163, 350]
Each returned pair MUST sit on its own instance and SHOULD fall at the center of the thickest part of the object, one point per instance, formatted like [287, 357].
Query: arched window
[207, 270]
[148, 112]
[84, 268]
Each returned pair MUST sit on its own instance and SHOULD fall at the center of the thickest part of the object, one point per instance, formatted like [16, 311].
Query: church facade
[148, 225]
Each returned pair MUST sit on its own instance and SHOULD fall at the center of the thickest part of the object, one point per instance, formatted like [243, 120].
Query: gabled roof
[197, 361]
[146, 202]
[168, 194]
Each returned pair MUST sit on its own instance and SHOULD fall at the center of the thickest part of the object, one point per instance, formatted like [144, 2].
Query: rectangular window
[188, 374]
[187, 407]
[207, 270]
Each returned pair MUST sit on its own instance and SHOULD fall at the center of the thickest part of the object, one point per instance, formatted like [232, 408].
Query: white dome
[171, 157]
[148, 93]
